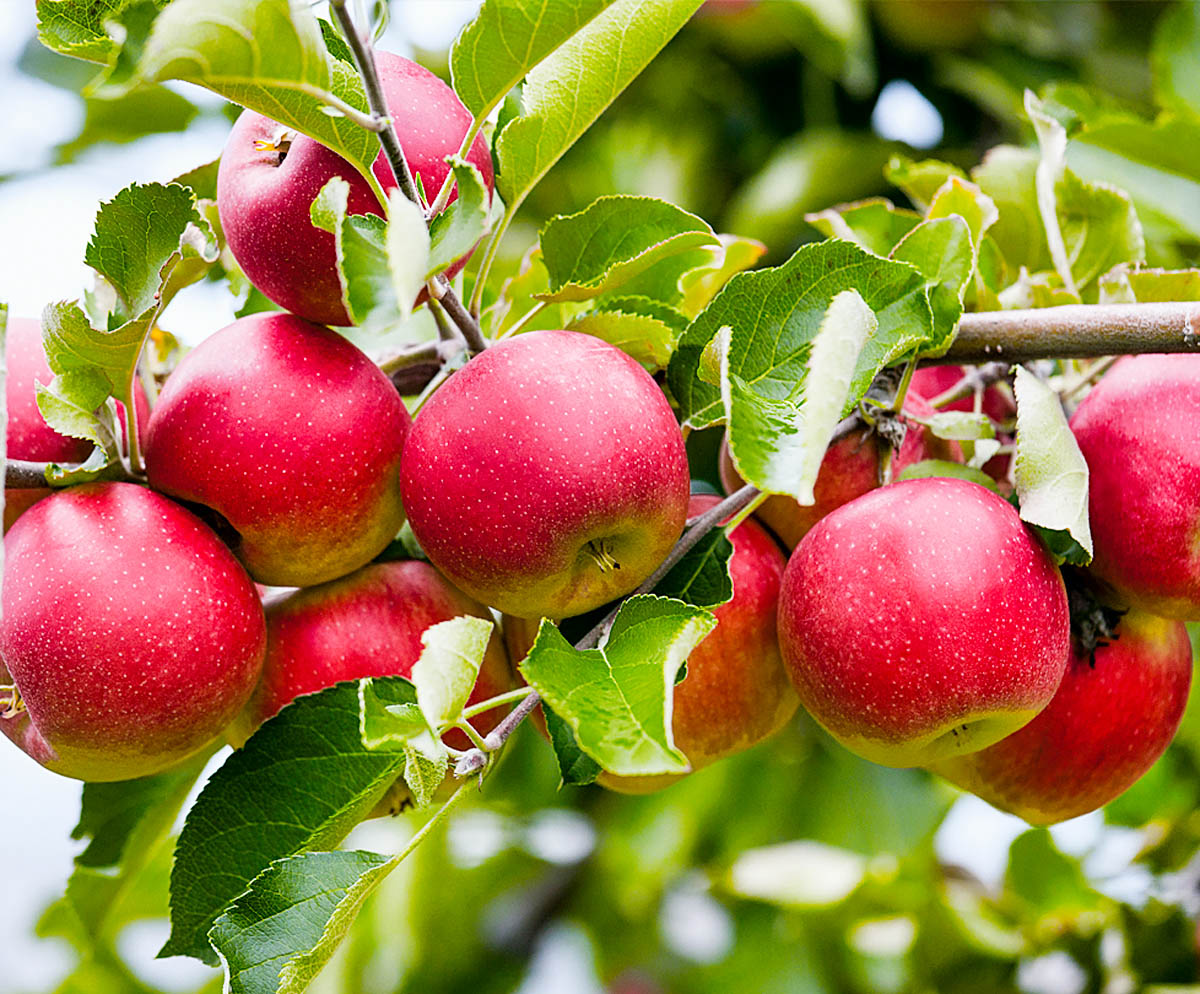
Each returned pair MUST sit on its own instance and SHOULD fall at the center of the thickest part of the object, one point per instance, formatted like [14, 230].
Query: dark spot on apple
[216, 521]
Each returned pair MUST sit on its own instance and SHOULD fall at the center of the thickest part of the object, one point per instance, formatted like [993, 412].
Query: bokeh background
[795, 867]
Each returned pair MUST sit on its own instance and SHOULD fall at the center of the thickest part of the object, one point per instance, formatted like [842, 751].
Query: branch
[364, 60]
[20, 474]
[1076, 331]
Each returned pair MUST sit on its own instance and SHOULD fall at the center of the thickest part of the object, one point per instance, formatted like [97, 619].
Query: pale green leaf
[920, 180]
[1051, 475]
[618, 699]
[448, 667]
[876, 224]
[362, 264]
[1125, 285]
[962, 426]
[456, 230]
[735, 255]
[943, 251]
[644, 337]
[408, 246]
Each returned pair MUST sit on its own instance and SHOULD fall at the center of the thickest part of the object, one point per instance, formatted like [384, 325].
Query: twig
[975, 378]
[364, 59]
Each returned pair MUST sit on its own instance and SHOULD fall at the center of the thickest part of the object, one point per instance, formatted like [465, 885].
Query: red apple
[366, 624]
[291, 434]
[1139, 430]
[923, 620]
[269, 177]
[29, 437]
[547, 476]
[1114, 714]
[132, 634]
[850, 468]
[737, 692]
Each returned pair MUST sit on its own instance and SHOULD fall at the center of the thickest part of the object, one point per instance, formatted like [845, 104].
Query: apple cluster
[920, 622]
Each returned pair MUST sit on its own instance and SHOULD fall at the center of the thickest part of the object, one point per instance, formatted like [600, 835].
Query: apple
[932, 381]
[547, 476]
[269, 177]
[366, 624]
[923, 620]
[132, 634]
[850, 468]
[736, 693]
[293, 436]
[1138, 430]
[29, 437]
[1114, 714]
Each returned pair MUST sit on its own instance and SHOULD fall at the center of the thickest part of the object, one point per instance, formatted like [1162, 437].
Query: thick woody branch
[1076, 331]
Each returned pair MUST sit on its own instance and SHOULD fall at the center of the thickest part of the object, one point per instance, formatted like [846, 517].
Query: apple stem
[364, 60]
[974, 381]
[509, 697]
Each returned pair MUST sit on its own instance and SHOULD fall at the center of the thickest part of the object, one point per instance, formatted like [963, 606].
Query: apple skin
[263, 200]
[132, 633]
[923, 620]
[1138, 430]
[546, 477]
[29, 437]
[737, 692]
[1107, 724]
[366, 624]
[294, 436]
[850, 468]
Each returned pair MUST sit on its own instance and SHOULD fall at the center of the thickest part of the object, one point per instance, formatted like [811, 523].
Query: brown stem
[1075, 331]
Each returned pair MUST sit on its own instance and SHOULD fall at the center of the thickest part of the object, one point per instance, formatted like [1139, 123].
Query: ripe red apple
[737, 692]
[294, 436]
[130, 631]
[29, 437]
[269, 177]
[547, 476]
[366, 624]
[1139, 431]
[923, 620]
[1113, 715]
[850, 468]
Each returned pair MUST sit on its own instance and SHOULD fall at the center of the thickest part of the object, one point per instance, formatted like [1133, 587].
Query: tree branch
[1075, 331]
[23, 475]
[364, 60]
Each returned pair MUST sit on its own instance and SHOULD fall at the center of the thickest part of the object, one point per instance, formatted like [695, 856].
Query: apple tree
[615, 413]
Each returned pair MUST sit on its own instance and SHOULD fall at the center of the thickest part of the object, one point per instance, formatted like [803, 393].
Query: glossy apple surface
[366, 624]
[29, 437]
[547, 476]
[294, 436]
[850, 468]
[129, 629]
[269, 177]
[1114, 714]
[1139, 430]
[923, 620]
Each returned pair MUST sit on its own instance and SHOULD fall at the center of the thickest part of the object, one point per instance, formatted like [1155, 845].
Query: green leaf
[614, 239]
[402, 726]
[149, 110]
[779, 445]
[456, 230]
[1047, 883]
[701, 578]
[139, 237]
[127, 823]
[567, 91]
[362, 264]
[76, 27]
[875, 224]
[617, 699]
[1007, 175]
[640, 333]
[408, 247]
[736, 254]
[776, 313]
[943, 251]
[920, 180]
[72, 404]
[448, 667]
[1173, 57]
[269, 56]
[960, 196]
[575, 766]
[1050, 474]
[506, 39]
[278, 935]
[1123, 285]
[962, 426]
[943, 467]
[302, 781]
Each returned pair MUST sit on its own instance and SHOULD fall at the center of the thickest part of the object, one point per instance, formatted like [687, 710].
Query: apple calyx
[1093, 623]
[601, 555]
[280, 142]
[13, 705]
